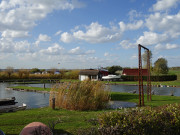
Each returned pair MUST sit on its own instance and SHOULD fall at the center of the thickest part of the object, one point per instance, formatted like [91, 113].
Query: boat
[111, 77]
[12, 108]
[8, 101]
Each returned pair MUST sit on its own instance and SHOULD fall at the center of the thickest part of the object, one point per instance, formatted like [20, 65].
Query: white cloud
[58, 33]
[90, 52]
[166, 47]
[79, 51]
[95, 33]
[131, 26]
[14, 34]
[151, 38]
[134, 14]
[164, 23]
[56, 49]
[164, 5]
[21, 15]
[75, 50]
[66, 37]
[7, 45]
[126, 44]
[106, 54]
[42, 38]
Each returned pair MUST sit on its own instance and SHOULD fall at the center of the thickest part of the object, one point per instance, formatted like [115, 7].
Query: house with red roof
[134, 72]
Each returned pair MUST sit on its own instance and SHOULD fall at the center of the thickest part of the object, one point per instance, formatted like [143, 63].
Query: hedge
[153, 78]
[163, 120]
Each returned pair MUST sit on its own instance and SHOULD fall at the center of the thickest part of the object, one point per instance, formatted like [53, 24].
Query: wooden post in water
[53, 103]
[44, 86]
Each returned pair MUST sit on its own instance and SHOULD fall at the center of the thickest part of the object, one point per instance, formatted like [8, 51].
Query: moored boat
[7, 101]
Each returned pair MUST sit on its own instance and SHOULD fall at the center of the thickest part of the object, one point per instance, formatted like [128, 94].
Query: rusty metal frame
[140, 77]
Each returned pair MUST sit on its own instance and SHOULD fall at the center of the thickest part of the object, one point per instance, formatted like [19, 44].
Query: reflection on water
[157, 90]
[37, 100]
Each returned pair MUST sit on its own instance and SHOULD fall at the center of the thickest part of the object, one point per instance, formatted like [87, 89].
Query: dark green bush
[153, 78]
[163, 120]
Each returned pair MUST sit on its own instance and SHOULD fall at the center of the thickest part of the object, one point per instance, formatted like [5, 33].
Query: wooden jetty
[7, 101]
[12, 108]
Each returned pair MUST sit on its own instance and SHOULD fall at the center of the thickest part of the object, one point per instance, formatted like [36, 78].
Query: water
[32, 99]
[157, 90]
[37, 100]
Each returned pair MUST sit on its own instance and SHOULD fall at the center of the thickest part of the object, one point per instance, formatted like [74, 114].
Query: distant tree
[35, 70]
[42, 70]
[9, 71]
[20, 73]
[113, 69]
[145, 56]
[160, 66]
[52, 71]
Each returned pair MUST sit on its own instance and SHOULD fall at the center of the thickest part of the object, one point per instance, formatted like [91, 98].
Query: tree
[160, 66]
[113, 69]
[145, 57]
[9, 71]
[35, 70]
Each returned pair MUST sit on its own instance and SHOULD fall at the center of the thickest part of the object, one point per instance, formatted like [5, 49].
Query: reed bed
[85, 95]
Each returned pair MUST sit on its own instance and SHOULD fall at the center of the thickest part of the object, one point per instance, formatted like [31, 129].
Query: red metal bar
[139, 51]
[148, 75]
[141, 91]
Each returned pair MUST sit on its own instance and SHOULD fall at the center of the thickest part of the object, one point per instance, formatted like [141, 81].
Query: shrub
[163, 120]
[153, 78]
[86, 95]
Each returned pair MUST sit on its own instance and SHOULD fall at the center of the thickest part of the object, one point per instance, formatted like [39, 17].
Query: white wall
[83, 77]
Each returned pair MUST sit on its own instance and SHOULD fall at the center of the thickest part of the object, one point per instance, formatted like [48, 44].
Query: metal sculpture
[140, 77]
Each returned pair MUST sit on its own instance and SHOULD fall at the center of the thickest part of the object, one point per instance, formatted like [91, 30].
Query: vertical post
[44, 86]
[139, 75]
[149, 76]
[148, 70]
[53, 103]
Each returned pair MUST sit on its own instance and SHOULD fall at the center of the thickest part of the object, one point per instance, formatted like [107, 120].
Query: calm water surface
[37, 100]
[32, 99]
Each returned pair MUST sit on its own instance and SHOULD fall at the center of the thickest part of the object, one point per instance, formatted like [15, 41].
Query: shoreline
[26, 90]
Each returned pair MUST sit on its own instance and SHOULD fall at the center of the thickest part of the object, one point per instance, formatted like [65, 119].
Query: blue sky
[87, 33]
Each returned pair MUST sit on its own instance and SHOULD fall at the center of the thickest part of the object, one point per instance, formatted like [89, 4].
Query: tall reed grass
[85, 95]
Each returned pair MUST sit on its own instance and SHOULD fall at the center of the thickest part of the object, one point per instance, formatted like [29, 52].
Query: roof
[134, 72]
[89, 72]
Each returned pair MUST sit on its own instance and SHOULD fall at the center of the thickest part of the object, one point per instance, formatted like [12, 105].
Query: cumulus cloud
[133, 14]
[164, 23]
[56, 49]
[151, 38]
[14, 34]
[94, 33]
[7, 45]
[58, 33]
[66, 37]
[126, 44]
[42, 38]
[164, 5]
[166, 46]
[131, 26]
[79, 51]
[21, 15]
